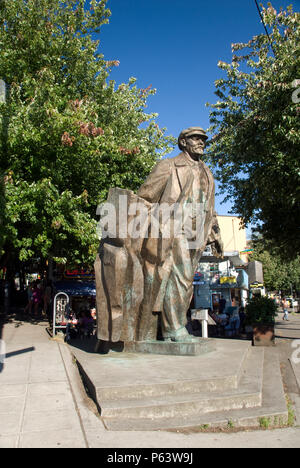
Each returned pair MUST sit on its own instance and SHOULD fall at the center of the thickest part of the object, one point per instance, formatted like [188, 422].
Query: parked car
[295, 305]
[292, 302]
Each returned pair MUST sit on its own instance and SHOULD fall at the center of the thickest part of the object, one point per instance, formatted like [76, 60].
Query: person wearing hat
[180, 180]
[146, 281]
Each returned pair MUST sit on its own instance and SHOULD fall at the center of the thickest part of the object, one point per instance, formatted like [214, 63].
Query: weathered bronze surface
[171, 348]
[145, 283]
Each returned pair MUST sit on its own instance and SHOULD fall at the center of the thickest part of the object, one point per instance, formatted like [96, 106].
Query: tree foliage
[260, 310]
[68, 132]
[279, 274]
[2, 211]
[256, 124]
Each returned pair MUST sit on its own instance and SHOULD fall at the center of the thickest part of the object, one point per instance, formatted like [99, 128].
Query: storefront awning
[76, 288]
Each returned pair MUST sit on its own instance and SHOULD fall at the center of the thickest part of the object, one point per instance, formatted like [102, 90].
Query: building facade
[227, 277]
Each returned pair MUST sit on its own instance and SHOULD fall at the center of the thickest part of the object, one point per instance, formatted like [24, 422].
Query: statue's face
[194, 145]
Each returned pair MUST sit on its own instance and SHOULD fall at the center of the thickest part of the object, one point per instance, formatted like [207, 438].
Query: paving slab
[8, 441]
[37, 407]
[48, 388]
[62, 438]
[10, 423]
[16, 367]
[41, 421]
[12, 404]
[279, 438]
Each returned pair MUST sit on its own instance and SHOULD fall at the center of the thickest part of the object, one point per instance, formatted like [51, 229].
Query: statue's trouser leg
[179, 289]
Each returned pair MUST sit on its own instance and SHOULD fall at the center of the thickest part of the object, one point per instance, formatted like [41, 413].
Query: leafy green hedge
[260, 310]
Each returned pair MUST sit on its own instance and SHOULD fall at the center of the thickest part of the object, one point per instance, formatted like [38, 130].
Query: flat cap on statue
[193, 131]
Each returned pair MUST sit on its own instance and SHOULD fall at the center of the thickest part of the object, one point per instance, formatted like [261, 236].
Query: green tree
[2, 211]
[278, 274]
[68, 132]
[256, 124]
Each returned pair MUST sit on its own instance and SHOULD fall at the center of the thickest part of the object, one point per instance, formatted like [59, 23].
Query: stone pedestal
[144, 392]
[201, 346]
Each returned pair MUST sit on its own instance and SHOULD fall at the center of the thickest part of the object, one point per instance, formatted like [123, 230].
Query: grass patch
[291, 413]
[264, 423]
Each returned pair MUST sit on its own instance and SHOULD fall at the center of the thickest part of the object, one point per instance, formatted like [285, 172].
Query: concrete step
[138, 376]
[237, 383]
[180, 405]
[272, 410]
[134, 392]
[187, 403]
[240, 418]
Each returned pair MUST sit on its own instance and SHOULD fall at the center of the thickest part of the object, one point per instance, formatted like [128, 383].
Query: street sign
[199, 314]
[228, 280]
[202, 315]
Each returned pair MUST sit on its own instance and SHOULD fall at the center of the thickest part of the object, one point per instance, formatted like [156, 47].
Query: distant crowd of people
[81, 324]
[229, 320]
[39, 295]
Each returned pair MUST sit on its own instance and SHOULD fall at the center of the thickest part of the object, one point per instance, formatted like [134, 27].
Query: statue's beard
[196, 152]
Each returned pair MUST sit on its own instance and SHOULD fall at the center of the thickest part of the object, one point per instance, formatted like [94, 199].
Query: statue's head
[192, 141]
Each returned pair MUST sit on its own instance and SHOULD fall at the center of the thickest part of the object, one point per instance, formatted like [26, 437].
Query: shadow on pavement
[20, 351]
[4, 356]
[18, 318]
[87, 345]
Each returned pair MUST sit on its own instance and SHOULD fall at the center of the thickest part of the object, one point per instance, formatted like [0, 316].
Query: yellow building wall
[233, 236]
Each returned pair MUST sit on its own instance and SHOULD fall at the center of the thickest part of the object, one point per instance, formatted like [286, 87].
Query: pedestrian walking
[36, 298]
[285, 307]
[29, 298]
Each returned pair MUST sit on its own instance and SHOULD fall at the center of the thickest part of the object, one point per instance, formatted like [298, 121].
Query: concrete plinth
[196, 348]
[143, 391]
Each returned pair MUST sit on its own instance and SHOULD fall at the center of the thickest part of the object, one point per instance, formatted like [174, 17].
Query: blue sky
[175, 46]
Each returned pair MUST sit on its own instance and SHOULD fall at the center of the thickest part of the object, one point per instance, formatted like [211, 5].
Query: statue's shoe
[181, 336]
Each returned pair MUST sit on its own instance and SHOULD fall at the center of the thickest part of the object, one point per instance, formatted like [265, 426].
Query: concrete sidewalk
[36, 403]
[43, 404]
[288, 344]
